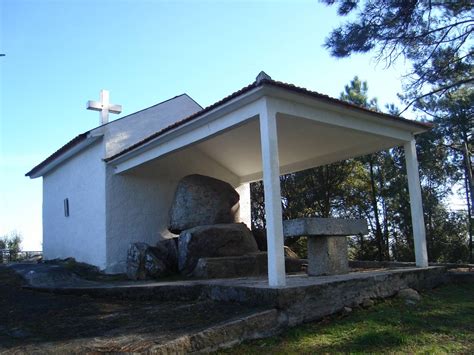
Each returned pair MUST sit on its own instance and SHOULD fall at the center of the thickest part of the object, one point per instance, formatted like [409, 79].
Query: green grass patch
[443, 322]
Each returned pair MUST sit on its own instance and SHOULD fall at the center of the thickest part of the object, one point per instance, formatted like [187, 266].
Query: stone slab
[255, 326]
[324, 226]
[304, 298]
[254, 264]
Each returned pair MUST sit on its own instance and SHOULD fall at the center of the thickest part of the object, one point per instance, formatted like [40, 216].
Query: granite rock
[409, 294]
[367, 303]
[201, 200]
[135, 261]
[218, 240]
[145, 261]
[253, 264]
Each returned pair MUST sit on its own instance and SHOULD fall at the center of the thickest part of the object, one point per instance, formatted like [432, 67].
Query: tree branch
[444, 88]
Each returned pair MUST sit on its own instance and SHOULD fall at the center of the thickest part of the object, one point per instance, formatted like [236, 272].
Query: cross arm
[94, 105]
[115, 108]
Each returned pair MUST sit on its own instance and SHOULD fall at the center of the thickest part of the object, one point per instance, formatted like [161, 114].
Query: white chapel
[113, 185]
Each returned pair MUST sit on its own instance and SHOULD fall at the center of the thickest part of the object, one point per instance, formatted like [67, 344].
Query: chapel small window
[66, 207]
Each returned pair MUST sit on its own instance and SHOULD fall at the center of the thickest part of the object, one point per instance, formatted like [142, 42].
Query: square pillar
[245, 207]
[414, 189]
[273, 212]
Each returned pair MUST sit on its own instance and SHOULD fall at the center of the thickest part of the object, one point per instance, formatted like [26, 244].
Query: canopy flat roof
[313, 130]
[267, 82]
[311, 136]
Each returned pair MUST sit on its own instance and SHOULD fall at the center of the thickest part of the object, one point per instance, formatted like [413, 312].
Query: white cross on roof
[104, 106]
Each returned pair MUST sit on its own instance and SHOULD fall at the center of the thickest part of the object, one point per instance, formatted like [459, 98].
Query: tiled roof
[279, 84]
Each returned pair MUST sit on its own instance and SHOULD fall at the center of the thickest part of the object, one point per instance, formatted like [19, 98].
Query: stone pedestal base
[327, 255]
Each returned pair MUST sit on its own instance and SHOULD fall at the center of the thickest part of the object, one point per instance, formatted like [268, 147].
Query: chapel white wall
[126, 131]
[81, 179]
[138, 202]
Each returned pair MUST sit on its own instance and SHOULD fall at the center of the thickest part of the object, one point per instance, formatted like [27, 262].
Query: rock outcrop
[145, 261]
[135, 261]
[200, 201]
[410, 295]
[213, 241]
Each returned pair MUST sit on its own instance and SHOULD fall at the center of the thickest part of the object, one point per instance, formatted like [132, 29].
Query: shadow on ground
[37, 321]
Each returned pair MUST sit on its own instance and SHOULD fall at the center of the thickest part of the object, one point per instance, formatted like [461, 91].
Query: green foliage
[436, 39]
[374, 188]
[435, 36]
[453, 115]
[12, 242]
[440, 323]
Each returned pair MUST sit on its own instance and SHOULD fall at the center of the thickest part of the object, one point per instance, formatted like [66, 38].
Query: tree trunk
[469, 191]
[378, 229]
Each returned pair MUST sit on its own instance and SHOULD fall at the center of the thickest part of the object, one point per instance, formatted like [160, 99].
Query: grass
[443, 322]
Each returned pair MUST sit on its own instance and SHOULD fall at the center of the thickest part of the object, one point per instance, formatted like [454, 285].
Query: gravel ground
[33, 321]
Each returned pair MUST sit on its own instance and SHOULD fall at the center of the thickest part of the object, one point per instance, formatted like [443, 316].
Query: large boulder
[201, 200]
[145, 261]
[213, 241]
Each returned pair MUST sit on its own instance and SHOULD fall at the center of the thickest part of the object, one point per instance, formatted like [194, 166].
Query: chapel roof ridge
[146, 108]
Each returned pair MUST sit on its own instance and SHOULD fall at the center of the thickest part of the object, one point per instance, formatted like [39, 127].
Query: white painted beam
[271, 181]
[346, 120]
[179, 139]
[294, 98]
[414, 188]
[321, 160]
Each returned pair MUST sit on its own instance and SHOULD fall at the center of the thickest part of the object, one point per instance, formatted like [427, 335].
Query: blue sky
[59, 54]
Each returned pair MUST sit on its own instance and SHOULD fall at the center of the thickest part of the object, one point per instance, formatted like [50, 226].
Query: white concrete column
[271, 181]
[245, 208]
[414, 188]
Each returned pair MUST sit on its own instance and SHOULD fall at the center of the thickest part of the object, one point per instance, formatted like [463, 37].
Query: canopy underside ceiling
[303, 144]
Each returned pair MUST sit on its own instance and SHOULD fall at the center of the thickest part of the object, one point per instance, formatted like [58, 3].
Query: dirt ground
[32, 321]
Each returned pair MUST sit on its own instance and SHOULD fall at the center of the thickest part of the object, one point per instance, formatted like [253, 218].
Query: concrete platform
[303, 299]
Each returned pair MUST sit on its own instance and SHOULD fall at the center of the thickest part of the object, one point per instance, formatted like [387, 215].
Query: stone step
[254, 264]
[259, 325]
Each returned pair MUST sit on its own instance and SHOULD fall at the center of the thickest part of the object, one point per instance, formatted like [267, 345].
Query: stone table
[327, 242]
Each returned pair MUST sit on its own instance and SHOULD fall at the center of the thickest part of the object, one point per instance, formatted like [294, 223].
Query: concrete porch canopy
[271, 128]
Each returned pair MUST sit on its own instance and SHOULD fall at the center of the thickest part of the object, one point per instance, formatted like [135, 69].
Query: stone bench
[327, 242]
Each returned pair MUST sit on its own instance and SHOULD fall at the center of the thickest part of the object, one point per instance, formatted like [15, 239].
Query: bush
[11, 242]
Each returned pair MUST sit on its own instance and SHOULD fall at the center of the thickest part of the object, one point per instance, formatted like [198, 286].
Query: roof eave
[414, 127]
[254, 92]
[46, 166]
